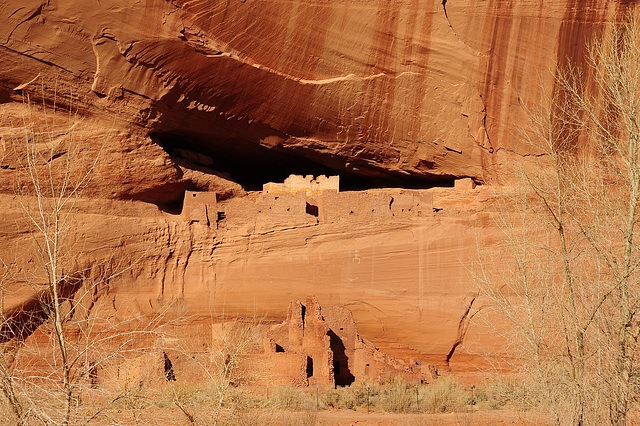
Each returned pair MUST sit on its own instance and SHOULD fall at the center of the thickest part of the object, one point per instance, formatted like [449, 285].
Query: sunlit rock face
[398, 91]
[205, 95]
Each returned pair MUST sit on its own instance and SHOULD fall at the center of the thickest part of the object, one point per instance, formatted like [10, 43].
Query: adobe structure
[306, 201]
[321, 346]
[200, 207]
[329, 206]
[314, 346]
[307, 184]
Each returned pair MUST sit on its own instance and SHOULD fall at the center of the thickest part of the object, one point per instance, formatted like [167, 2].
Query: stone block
[465, 184]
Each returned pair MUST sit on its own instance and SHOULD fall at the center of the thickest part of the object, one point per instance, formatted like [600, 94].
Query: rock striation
[412, 103]
[400, 91]
[401, 273]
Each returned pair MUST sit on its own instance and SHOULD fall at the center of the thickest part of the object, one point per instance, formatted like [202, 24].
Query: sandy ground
[347, 417]
[331, 417]
[172, 416]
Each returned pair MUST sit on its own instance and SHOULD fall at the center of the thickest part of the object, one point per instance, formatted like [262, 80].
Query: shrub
[290, 398]
[398, 397]
[444, 395]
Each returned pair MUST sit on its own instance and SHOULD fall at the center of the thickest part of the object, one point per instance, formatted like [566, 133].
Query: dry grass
[396, 396]
[443, 401]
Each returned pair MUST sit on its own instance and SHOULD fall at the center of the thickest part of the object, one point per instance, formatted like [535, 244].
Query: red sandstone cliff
[399, 89]
[220, 95]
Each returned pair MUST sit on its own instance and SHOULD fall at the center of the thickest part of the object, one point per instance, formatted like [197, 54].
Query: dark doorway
[309, 366]
[341, 372]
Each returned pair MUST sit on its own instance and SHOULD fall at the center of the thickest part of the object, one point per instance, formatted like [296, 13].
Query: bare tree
[50, 327]
[8, 349]
[231, 343]
[567, 301]
[225, 367]
[56, 188]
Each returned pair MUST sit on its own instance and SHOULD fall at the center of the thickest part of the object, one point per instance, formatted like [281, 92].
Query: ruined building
[201, 207]
[306, 201]
[307, 184]
[322, 346]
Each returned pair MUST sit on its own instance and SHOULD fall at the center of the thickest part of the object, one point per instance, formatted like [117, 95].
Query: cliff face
[227, 95]
[403, 90]
[395, 258]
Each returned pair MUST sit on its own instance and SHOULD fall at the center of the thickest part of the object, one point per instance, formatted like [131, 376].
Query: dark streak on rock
[463, 326]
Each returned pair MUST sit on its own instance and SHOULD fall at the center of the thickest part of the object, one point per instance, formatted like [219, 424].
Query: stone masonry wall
[322, 346]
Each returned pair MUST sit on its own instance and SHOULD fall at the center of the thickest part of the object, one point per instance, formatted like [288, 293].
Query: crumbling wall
[302, 343]
[301, 201]
[266, 212]
[307, 184]
[375, 205]
[129, 372]
[343, 335]
[269, 210]
[271, 207]
[361, 359]
[328, 338]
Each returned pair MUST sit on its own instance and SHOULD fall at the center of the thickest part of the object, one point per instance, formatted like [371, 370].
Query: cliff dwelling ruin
[321, 345]
[305, 199]
[243, 155]
[200, 207]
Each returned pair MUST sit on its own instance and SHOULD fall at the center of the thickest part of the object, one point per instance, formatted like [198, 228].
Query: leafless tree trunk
[57, 292]
[55, 187]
